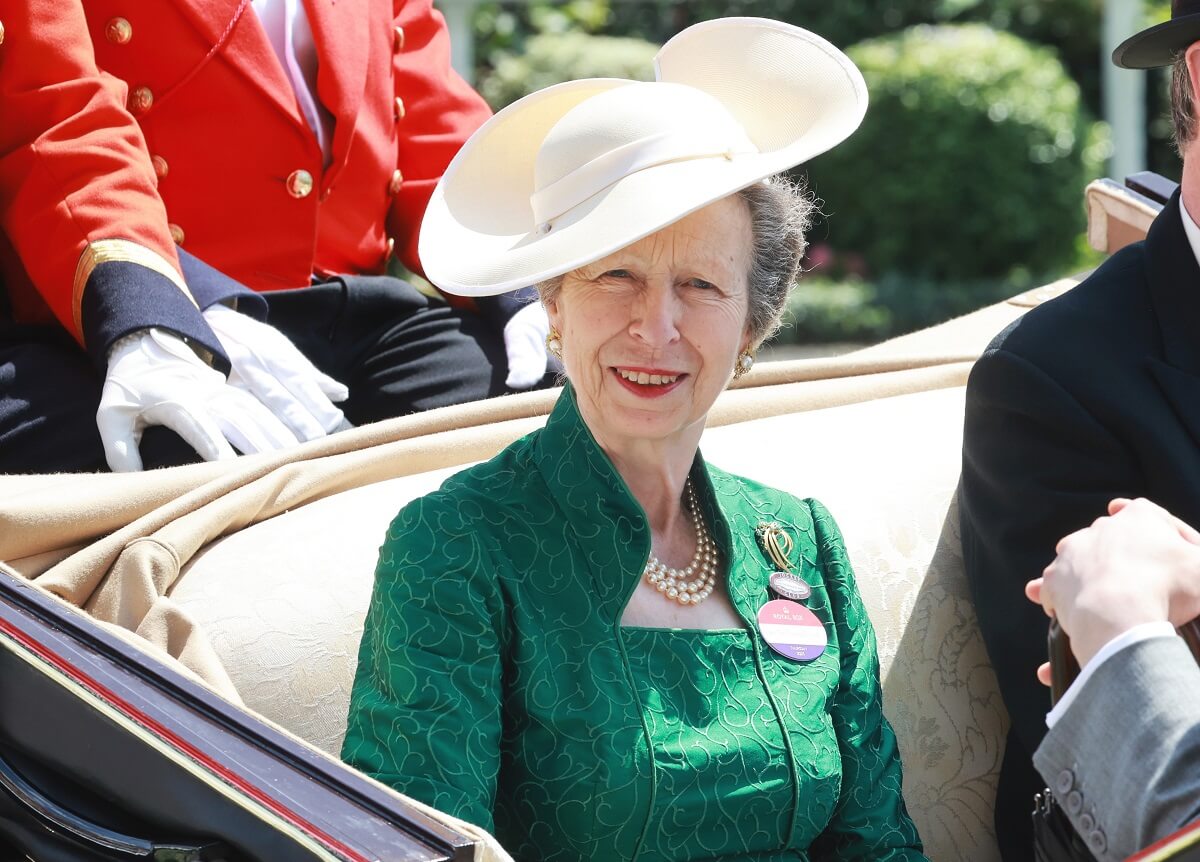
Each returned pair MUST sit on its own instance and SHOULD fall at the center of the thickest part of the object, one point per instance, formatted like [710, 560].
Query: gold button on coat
[176, 233]
[397, 39]
[299, 184]
[391, 246]
[140, 100]
[399, 109]
[1, 32]
[160, 166]
[118, 31]
[396, 182]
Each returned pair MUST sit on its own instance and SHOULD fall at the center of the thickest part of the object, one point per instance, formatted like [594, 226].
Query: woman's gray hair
[1183, 112]
[780, 213]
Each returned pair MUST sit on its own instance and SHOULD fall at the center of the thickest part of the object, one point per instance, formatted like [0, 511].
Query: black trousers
[398, 351]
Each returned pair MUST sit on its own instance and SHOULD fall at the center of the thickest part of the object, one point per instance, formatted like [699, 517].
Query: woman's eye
[618, 273]
[702, 284]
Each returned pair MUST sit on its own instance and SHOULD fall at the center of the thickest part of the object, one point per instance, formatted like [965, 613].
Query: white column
[1123, 91]
[462, 36]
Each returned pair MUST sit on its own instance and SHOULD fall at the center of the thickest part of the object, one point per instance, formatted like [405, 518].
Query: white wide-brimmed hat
[574, 172]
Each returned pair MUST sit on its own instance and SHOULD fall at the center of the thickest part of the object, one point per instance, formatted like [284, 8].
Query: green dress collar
[603, 513]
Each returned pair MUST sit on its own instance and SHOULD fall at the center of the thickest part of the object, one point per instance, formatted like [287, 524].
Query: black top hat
[1158, 45]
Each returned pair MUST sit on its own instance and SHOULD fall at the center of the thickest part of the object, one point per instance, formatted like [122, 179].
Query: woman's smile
[648, 382]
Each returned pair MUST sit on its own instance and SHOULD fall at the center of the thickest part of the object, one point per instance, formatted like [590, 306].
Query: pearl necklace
[693, 584]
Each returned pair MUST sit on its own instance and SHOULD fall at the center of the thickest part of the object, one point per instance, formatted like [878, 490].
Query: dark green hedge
[971, 162]
[553, 58]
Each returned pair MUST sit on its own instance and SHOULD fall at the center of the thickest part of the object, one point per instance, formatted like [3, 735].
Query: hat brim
[1158, 45]
[481, 263]
[795, 94]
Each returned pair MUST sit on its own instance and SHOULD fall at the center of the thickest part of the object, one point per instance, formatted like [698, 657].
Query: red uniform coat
[78, 206]
[239, 169]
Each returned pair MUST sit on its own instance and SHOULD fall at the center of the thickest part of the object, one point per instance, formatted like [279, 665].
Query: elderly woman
[596, 644]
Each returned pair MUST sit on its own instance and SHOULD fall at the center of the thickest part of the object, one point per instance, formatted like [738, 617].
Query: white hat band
[614, 165]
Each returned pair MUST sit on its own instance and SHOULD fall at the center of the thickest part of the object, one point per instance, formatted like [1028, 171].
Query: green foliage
[502, 28]
[843, 22]
[1070, 27]
[971, 163]
[555, 57]
[914, 302]
[821, 311]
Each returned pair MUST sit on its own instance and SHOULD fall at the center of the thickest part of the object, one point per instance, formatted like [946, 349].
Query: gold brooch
[777, 545]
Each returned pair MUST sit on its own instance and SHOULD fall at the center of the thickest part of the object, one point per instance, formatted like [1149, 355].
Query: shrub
[842, 23]
[503, 26]
[1072, 27]
[551, 58]
[821, 311]
[970, 164]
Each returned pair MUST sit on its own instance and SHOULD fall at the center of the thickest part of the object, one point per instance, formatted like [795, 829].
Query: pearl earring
[744, 363]
[554, 343]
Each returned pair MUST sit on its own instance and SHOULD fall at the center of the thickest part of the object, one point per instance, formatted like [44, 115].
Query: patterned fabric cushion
[282, 601]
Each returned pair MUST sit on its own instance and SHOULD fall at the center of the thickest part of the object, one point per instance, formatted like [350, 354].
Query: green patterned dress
[496, 682]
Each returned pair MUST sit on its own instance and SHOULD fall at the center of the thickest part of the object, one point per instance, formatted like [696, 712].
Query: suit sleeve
[1036, 466]
[425, 706]
[1129, 745]
[870, 820]
[77, 191]
[441, 112]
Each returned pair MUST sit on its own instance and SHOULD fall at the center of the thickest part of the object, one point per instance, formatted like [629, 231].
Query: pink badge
[792, 630]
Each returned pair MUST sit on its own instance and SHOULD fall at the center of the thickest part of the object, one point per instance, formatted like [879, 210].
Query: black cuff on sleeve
[122, 297]
[499, 309]
[210, 286]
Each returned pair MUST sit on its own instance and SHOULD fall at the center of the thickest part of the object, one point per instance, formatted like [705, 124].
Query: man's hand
[525, 342]
[1139, 564]
[154, 378]
[267, 365]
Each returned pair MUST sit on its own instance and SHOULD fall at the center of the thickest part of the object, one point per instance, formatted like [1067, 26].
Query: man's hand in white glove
[525, 343]
[154, 378]
[267, 364]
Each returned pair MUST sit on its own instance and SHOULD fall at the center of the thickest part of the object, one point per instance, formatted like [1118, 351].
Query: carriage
[177, 647]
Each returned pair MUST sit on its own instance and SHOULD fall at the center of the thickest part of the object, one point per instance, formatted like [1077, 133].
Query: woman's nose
[656, 316]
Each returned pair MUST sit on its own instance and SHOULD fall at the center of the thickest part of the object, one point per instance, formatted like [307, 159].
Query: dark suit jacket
[1091, 396]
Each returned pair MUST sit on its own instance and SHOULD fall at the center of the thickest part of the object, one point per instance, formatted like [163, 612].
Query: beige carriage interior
[255, 574]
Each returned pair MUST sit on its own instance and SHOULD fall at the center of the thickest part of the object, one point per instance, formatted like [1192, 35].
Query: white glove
[267, 365]
[525, 343]
[154, 378]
